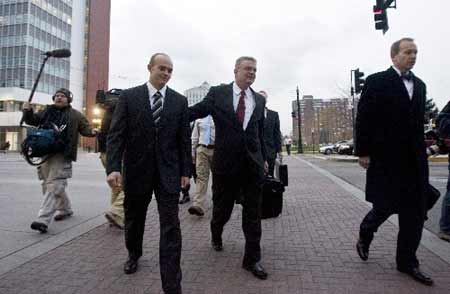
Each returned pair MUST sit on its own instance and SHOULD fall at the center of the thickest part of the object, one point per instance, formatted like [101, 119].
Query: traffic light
[359, 81]
[380, 16]
[293, 114]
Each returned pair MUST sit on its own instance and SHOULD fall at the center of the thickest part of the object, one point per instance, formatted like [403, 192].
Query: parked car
[337, 144]
[326, 149]
[346, 147]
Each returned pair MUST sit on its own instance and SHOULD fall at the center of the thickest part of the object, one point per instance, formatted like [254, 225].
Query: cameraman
[115, 214]
[55, 171]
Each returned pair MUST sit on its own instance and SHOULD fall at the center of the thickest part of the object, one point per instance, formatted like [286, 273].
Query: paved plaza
[310, 248]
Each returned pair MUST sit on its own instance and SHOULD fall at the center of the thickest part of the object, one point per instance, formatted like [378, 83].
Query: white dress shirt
[152, 91]
[409, 85]
[200, 133]
[249, 102]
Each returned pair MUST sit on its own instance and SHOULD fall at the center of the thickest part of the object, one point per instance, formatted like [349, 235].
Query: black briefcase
[432, 195]
[283, 174]
[272, 198]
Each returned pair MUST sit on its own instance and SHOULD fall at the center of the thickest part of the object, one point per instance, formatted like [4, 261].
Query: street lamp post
[299, 118]
[312, 135]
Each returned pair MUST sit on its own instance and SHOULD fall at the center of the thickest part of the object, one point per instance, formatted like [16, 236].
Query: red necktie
[240, 111]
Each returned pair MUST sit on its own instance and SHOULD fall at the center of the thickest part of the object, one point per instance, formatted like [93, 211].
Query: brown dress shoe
[196, 210]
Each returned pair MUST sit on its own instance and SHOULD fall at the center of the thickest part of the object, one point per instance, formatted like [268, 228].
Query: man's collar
[238, 90]
[398, 71]
[152, 90]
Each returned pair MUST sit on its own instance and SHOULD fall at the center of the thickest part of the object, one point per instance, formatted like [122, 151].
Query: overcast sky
[312, 44]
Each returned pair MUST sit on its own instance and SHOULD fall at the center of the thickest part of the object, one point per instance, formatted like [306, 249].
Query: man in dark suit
[150, 134]
[239, 158]
[391, 115]
[272, 135]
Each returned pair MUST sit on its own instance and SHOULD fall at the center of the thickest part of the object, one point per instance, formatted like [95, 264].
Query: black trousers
[135, 206]
[410, 221]
[226, 190]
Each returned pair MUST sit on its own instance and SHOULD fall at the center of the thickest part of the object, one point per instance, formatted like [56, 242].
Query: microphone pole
[55, 53]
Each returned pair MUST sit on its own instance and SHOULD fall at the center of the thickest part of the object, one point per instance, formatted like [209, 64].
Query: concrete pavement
[308, 249]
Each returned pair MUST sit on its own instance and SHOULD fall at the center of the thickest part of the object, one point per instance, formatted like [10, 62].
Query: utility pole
[299, 118]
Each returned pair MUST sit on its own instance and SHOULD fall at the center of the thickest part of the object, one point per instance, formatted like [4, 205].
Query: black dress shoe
[130, 266]
[417, 275]
[363, 249]
[185, 199]
[217, 246]
[41, 227]
[256, 269]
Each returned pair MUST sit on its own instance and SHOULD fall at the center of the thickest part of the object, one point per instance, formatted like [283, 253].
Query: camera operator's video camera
[108, 98]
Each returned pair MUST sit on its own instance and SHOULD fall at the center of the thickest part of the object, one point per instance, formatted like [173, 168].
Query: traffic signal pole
[299, 123]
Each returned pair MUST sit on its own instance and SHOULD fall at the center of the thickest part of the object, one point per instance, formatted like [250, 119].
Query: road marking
[429, 239]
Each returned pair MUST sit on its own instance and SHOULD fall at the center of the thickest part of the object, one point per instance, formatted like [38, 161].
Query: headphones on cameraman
[66, 93]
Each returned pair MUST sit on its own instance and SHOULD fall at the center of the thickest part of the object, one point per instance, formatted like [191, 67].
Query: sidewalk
[309, 249]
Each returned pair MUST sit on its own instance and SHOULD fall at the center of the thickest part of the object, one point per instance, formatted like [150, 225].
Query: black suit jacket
[147, 150]
[390, 129]
[234, 146]
[272, 134]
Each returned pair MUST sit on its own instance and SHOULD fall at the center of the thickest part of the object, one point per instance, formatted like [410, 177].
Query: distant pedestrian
[203, 137]
[272, 136]
[55, 171]
[391, 111]
[150, 138]
[287, 144]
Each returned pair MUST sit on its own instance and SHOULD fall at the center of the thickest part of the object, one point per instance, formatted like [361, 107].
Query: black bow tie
[406, 76]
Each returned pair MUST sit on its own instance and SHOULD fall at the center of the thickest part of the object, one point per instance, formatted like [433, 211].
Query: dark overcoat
[390, 129]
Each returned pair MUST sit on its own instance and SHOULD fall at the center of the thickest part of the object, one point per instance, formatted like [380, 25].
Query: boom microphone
[58, 53]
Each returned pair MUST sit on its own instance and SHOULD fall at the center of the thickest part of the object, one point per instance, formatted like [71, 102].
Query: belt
[207, 146]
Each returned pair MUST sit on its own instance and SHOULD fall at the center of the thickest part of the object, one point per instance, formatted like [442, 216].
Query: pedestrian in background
[239, 158]
[444, 222]
[150, 137]
[391, 109]
[115, 213]
[55, 171]
[272, 136]
[203, 137]
[287, 144]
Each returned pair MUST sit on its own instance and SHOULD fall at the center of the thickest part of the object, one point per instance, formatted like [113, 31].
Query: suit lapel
[228, 105]
[398, 84]
[258, 108]
[167, 107]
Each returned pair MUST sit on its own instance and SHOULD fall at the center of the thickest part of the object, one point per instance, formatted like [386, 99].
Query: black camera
[108, 98]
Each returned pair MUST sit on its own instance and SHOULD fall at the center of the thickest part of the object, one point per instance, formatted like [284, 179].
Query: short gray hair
[395, 48]
[243, 58]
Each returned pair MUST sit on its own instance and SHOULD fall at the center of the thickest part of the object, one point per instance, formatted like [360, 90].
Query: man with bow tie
[149, 142]
[391, 113]
[238, 164]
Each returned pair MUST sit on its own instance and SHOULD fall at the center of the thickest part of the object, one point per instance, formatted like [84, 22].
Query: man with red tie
[239, 159]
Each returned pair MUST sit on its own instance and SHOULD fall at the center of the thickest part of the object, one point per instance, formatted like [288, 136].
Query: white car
[327, 149]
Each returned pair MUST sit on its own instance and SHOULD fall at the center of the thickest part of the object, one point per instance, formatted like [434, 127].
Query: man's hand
[95, 131]
[194, 158]
[364, 161]
[184, 182]
[26, 106]
[266, 167]
[114, 179]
